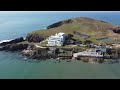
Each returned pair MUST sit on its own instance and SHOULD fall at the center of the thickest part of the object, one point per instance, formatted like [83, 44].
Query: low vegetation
[94, 29]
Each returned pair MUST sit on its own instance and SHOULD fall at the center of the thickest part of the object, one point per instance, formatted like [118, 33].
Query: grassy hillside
[96, 29]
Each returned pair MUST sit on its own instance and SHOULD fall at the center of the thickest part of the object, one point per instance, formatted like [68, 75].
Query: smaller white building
[98, 52]
[56, 40]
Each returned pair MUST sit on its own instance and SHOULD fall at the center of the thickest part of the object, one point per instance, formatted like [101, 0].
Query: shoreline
[25, 58]
[74, 45]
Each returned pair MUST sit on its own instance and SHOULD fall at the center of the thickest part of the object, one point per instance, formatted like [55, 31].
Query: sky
[13, 12]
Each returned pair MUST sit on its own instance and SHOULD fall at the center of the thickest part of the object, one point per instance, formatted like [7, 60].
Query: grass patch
[42, 43]
[24, 42]
[94, 28]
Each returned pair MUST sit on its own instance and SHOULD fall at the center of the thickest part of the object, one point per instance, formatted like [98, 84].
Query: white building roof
[57, 39]
[59, 34]
[53, 36]
[87, 54]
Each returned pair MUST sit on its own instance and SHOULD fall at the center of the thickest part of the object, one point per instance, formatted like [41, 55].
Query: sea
[15, 24]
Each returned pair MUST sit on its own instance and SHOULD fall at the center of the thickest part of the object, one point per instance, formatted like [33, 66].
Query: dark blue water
[17, 24]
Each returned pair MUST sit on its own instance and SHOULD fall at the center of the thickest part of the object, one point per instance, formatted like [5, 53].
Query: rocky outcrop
[40, 54]
[21, 39]
[60, 23]
[14, 47]
[34, 38]
[116, 30]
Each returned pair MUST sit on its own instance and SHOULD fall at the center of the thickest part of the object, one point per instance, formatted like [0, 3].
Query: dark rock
[53, 50]
[21, 39]
[115, 29]
[14, 47]
[100, 60]
[87, 42]
[70, 41]
[40, 54]
[34, 38]
[103, 21]
[60, 23]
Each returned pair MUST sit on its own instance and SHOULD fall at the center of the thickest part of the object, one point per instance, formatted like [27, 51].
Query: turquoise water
[13, 65]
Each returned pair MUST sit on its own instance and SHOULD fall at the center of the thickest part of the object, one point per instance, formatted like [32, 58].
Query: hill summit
[81, 27]
[73, 20]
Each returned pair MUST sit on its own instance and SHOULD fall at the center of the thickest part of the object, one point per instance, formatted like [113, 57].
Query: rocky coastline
[17, 40]
[31, 49]
[13, 45]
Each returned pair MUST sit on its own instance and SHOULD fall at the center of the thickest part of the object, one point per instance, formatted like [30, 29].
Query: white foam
[4, 41]
[45, 28]
[25, 58]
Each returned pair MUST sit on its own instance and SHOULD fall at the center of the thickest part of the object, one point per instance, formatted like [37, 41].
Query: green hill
[94, 29]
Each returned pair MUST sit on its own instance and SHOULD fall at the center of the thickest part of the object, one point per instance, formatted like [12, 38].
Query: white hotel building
[56, 40]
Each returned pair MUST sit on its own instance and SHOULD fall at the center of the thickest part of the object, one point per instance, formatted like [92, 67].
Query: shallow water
[15, 66]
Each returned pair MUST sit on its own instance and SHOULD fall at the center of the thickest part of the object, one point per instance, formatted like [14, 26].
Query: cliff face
[14, 47]
[34, 38]
[60, 23]
[21, 39]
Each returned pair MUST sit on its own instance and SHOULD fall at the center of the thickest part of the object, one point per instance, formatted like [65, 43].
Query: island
[80, 38]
